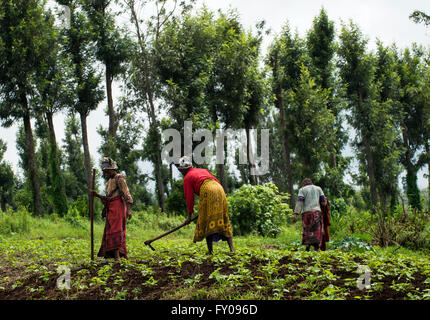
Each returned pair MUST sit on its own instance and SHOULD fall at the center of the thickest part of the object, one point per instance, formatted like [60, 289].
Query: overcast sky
[384, 19]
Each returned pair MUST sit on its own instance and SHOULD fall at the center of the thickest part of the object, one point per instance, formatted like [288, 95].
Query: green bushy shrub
[258, 209]
[347, 220]
[155, 219]
[408, 229]
[75, 213]
[14, 222]
[81, 206]
[176, 203]
[351, 244]
[24, 198]
[338, 207]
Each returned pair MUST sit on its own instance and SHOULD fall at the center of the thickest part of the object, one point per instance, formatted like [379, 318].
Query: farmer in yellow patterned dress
[213, 223]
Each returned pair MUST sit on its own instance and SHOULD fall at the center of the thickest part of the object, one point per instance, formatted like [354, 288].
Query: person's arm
[189, 197]
[122, 185]
[101, 197]
[299, 205]
[299, 208]
[323, 201]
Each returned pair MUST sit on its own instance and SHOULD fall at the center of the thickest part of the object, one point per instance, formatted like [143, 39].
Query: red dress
[115, 229]
[326, 221]
[116, 218]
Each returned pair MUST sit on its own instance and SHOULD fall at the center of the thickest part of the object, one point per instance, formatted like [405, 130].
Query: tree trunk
[220, 167]
[371, 173]
[111, 111]
[383, 201]
[32, 170]
[243, 174]
[87, 157]
[58, 187]
[369, 160]
[427, 148]
[412, 190]
[3, 201]
[221, 175]
[160, 185]
[52, 137]
[158, 161]
[333, 160]
[147, 66]
[101, 8]
[286, 149]
[171, 181]
[333, 152]
[252, 177]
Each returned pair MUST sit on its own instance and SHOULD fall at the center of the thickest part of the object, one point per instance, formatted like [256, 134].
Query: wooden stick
[92, 214]
[148, 242]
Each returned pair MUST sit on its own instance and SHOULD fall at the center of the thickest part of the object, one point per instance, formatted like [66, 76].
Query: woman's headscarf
[109, 164]
[184, 164]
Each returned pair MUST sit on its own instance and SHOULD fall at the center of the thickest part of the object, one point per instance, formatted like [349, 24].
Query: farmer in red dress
[116, 211]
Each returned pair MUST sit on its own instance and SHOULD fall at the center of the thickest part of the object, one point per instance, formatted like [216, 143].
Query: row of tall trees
[381, 94]
[315, 93]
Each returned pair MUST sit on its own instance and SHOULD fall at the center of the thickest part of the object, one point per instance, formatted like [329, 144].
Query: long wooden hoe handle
[92, 214]
[148, 242]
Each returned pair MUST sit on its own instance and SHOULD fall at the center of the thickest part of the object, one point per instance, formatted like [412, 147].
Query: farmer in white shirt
[310, 201]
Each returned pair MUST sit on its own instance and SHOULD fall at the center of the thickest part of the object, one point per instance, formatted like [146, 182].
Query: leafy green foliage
[206, 68]
[408, 229]
[260, 268]
[74, 174]
[176, 203]
[320, 43]
[338, 207]
[76, 213]
[7, 179]
[411, 70]
[420, 17]
[180, 269]
[25, 28]
[258, 209]
[14, 222]
[311, 123]
[371, 84]
[351, 244]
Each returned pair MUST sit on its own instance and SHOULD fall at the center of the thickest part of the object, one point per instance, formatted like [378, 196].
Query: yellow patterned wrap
[213, 212]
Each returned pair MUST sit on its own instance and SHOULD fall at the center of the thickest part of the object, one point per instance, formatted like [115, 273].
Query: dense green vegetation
[33, 248]
[318, 95]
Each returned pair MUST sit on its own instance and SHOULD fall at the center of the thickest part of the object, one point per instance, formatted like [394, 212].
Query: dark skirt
[216, 237]
[311, 228]
[115, 228]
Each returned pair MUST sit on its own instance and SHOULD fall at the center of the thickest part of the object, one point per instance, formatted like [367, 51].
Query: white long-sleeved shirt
[309, 199]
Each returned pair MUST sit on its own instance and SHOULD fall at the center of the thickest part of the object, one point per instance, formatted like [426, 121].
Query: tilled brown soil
[130, 283]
